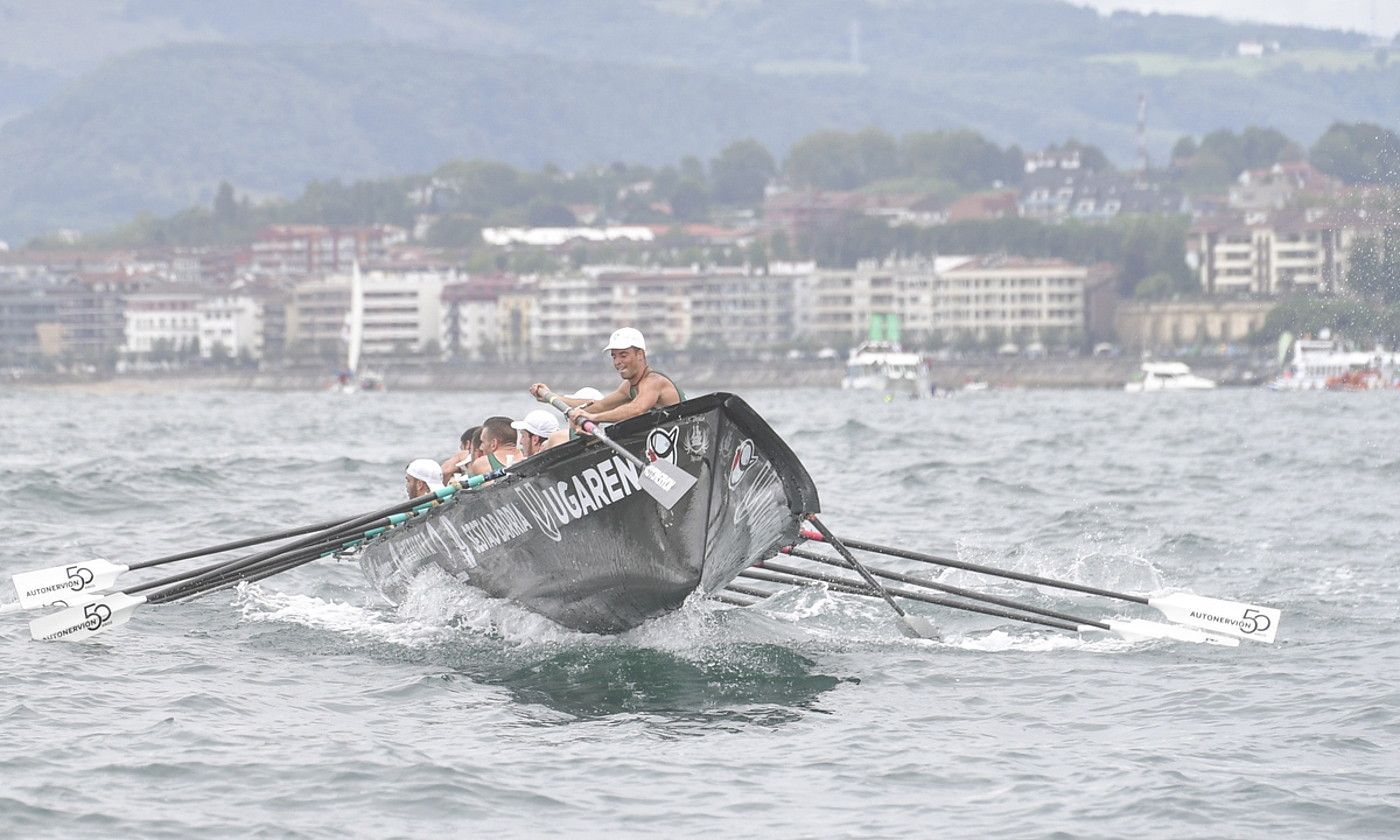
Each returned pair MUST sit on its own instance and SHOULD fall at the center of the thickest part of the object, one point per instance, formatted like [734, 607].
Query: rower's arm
[613, 400]
[648, 395]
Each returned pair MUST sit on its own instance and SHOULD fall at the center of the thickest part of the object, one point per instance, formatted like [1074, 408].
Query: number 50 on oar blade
[44, 586]
[75, 624]
[1246, 621]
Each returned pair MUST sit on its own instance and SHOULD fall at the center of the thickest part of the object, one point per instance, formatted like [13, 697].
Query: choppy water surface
[304, 707]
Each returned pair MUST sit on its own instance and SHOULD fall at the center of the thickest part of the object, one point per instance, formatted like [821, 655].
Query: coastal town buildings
[993, 298]
[1268, 253]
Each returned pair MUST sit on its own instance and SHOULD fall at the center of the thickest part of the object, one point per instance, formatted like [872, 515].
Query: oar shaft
[922, 597]
[852, 562]
[920, 557]
[954, 590]
[362, 522]
[237, 544]
[593, 429]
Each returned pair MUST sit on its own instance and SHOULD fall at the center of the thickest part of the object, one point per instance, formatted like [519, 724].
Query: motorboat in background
[1168, 376]
[1324, 363]
[883, 366]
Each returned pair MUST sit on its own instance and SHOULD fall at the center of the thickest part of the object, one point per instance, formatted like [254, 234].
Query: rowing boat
[569, 533]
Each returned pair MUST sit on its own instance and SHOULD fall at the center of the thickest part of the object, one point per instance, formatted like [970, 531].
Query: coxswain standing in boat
[642, 388]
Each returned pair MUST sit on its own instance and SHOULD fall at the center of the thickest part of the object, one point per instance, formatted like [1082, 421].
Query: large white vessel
[1318, 364]
[1168, 376]
[883, 366]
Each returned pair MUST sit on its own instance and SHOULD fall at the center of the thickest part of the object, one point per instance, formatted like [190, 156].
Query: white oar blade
[74, 624]
[58, 583]
[666, 482]
[1137, 629]
[53, 602]
[917, 627]
[1244, 621]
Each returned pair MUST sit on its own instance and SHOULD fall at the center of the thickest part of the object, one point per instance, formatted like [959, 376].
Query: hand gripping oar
[1244, 621]
[1131, 629]
[84, 621]
[911, 625]
[662, 480]
[76, 583]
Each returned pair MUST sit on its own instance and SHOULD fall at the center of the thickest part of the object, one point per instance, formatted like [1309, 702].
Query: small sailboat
[352, 379]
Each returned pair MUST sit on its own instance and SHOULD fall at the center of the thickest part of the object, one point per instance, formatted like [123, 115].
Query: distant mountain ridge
[266, 103]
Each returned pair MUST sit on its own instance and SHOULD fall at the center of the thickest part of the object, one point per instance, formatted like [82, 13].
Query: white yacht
[1168, 376]
[883, 366]
[1319, 364]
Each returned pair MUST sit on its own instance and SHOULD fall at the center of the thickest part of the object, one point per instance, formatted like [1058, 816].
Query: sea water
[305, 707]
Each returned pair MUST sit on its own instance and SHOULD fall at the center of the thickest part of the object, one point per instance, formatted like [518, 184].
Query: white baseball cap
[427, 471]
[626, 337]
[586, 394]
[538, 422]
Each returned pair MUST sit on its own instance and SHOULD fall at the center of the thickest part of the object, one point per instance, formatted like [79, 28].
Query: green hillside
[283, 98]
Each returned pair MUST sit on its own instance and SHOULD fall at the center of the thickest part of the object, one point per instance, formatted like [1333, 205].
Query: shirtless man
[470, 451]
[497, 446]
[642, 388]
[422, 477]
[533, 433]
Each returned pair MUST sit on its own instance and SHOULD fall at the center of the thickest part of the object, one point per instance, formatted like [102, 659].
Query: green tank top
[632, 389]
[495, 464]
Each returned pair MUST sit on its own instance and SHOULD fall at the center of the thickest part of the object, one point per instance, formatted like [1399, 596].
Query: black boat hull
[571, 534]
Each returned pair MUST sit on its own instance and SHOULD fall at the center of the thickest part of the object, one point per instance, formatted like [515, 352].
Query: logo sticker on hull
[661, 444]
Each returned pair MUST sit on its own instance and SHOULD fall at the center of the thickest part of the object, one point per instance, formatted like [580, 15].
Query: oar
[1132, 629]
[1243, 621]
[911, 625]
[84, 621]
[662, 480]
[67, 585]
[855, 587]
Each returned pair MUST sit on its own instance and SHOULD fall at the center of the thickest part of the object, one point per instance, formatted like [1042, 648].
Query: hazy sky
[1326, 14]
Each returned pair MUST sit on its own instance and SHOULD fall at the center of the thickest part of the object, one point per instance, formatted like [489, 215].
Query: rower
[642, 388]
[533, 433]
[471, 441]
[422, 476]
[497, 446]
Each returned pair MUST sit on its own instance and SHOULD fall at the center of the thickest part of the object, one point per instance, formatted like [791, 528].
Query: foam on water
[305, 707]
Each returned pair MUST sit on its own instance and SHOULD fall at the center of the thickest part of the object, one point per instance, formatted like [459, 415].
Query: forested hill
[268, 95]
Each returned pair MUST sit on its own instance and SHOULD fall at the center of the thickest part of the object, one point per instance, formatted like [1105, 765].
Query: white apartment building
[161, 321]
[1266, 253]
[838, 307]
[233, 322]
[572, 311]
[990, 298]
[402, 310]
[678, 310]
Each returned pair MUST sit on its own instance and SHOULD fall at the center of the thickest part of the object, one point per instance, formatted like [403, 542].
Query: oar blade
[76, 624]
[1137, 629]
[1231, 618]
[666, 483]
[917, 627]
[42, 587]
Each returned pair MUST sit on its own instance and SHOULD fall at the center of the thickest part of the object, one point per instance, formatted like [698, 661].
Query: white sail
[357, 320]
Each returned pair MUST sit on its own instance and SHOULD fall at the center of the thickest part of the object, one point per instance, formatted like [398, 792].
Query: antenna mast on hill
[1143, 160]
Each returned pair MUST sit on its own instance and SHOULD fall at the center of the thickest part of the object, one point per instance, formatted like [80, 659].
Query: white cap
[586, 394]
[538, 422]
[427, 471]
[626, 337]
